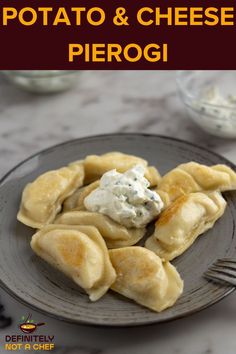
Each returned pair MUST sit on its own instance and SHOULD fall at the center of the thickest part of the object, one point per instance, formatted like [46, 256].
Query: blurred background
[194, 106]
[100, 102]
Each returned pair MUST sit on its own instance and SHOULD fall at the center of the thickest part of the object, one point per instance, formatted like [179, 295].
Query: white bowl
[43, 81]
[210, 100]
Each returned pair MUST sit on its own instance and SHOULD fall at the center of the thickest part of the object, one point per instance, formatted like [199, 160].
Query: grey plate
[35, 283]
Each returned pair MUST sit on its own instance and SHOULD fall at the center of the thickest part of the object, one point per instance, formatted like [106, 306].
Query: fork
[223, 270]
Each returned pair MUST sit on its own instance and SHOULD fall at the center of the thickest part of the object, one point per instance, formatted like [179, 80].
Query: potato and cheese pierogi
[92, 215]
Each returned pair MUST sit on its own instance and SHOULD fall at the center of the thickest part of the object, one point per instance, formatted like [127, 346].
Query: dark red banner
[117, 35]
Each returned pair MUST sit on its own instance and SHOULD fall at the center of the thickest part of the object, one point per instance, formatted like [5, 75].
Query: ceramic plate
[38, 285]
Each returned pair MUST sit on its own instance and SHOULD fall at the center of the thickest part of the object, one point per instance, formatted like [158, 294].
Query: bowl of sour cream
[210, 99]
[43, 81]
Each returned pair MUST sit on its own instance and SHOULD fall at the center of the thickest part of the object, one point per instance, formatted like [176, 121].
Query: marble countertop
[104, 102]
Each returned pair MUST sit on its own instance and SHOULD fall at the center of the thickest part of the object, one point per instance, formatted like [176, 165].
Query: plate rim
[89, 323]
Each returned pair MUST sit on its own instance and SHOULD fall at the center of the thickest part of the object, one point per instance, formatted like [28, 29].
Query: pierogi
[193, 177]
[113, 233]
[183, 221]
[80, 253]
[76, 200]
[96, 165]
[42, 199]
[144, 278]
[108, 201]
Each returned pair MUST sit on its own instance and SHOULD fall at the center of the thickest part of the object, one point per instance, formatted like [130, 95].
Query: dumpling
[218, 177]
[95, 166]
[43, 198]
[79, 252]
[175, 184]
[114, 234]
[193, 177]
[144, 278]
[76, 200]
[183, 221]
[153, 176]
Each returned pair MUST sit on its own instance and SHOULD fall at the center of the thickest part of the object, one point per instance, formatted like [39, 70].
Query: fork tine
[212, 276]
[226, 265]
[227, 260]
[223, 270]
[222, 276]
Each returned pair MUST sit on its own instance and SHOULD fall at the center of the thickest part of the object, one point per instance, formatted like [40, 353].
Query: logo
[27, 340]
[28, 325]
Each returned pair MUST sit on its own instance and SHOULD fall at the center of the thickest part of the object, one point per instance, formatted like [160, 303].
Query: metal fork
[223, 270]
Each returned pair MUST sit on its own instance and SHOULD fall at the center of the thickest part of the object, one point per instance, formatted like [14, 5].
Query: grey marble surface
[104, 102]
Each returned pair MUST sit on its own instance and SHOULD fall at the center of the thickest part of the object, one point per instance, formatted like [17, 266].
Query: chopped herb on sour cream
[125, 198]
[218, 112]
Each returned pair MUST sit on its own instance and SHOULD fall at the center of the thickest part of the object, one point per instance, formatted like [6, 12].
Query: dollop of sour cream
[218, 112]
[125, 198]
